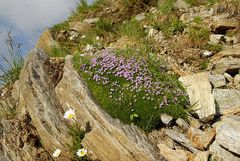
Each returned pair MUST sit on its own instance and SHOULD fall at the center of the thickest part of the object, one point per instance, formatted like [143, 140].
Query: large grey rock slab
[228, 134]
[81, 27]
[91, 20]
[37, 81]
[108, 139]
[199, 90]
[229, 65]
[226, 100]
[220, 153]
[217, 80]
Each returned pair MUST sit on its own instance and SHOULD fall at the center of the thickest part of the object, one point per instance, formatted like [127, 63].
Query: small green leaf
[132, 116]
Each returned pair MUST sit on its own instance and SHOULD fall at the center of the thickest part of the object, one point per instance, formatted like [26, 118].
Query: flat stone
[229, 52]
[166, 119]
[91, 20]
[182, 124]
[201, 139]
[81, 27]
[229, 65]
[226, 99]
[181, 139]
[228, 134]
[172, 155]
[199, 90]
[194, 122]
[140, 16]
[216, 38]
[221, 154]
[202, 156]
[217, 80]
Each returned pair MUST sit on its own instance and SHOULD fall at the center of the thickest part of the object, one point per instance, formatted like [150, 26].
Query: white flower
[88, 47]
[151, 33]
[207, 53]
[82, 55]
[81, 152]
[56, 153]
[83, 36]
[69, 114]
[97, 38]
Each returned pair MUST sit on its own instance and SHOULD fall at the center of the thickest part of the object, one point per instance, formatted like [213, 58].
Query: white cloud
[33, 15]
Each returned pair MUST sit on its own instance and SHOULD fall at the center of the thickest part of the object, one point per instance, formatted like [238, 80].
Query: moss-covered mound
[132, 88]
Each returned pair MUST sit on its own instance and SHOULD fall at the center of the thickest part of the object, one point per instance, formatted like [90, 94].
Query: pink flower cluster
[112, 70]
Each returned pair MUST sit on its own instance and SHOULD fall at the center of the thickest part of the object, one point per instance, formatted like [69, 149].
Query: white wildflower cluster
[70, 114]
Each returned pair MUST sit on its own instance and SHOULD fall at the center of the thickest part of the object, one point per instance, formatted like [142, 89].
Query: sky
[28, 18]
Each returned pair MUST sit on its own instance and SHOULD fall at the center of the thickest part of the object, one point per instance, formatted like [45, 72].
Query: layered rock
[227, 100]
[228, 134]
[200, 94]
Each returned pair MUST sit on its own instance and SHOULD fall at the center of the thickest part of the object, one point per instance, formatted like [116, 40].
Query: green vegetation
[197, 19]
[11, 62]
[204, 64]
[166, 6]
[215, 48]
[172, 26]
[211, 2]
[192, 2]
[197, 33]
[57, 52]
[169, 25]
[61, 26]
[104, 25]
[77, 136]
[199, 36]
[141, 106]
[83, 7]
[132, 29]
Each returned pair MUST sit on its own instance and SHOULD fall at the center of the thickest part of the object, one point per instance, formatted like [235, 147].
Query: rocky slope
[33, 125]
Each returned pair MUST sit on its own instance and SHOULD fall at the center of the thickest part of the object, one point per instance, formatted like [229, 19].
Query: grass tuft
[11, 62]
[77, 136]
[61, 26]
[199, 36]
[57, 52]
[132, 29]
[166, 6]
[215, 48]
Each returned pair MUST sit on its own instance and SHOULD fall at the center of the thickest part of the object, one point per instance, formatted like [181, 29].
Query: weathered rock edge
[108, 140]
